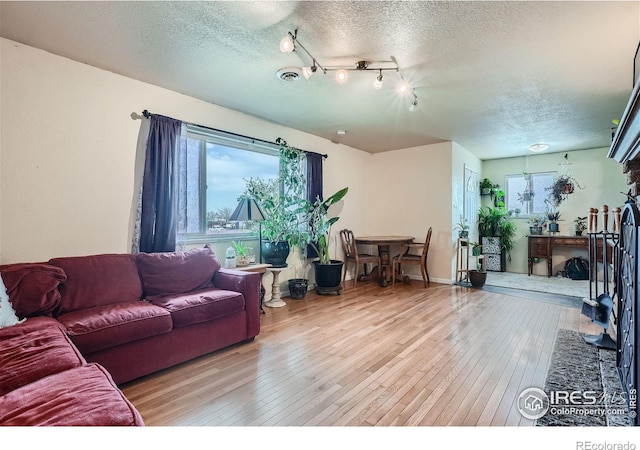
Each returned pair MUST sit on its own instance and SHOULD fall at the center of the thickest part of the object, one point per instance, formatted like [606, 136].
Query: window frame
[230, 140]
[524, 176]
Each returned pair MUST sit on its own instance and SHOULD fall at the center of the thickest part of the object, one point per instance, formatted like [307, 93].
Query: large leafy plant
[320, 224]
[281, 198]
[496, 221]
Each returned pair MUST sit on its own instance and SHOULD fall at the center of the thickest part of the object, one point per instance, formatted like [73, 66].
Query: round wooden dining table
[384, 244]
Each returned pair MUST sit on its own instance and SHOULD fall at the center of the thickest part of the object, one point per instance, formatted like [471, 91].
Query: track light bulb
[307, 72]
[286, 44]
[341, 75]
[403, 88]
[377, 83]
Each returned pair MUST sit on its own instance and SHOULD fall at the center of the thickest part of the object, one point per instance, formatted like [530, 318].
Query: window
[216, 166]
[527, 192]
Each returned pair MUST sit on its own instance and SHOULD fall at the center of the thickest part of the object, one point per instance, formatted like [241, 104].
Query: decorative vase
[298, 287]
[275, 253]
[328, 276]
[463, 234]
[554, 227]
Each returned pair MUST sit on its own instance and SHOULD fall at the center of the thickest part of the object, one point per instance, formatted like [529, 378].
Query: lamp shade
[247, 209]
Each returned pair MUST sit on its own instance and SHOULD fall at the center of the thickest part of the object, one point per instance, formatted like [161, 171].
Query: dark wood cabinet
[541, 247]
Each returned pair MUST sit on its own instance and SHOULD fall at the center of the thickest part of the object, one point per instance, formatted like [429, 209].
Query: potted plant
[477, 276]
[463, 228]
[560, 189]
[553, 216]
[242, 259]
[580, 224]
[328, 271]
[497, 230]
[487, 187]
[536, 222]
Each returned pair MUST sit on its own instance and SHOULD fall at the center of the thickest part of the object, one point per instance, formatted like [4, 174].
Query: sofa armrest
[248, 284]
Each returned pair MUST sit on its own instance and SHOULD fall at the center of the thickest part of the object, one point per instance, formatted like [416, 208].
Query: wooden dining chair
[352, 255]
[406, 257]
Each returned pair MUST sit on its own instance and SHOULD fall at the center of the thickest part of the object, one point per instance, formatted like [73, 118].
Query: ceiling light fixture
[414, 105]
[291, 43]
[377, 83]
[307, 72]
[537, 148]
[287, 44]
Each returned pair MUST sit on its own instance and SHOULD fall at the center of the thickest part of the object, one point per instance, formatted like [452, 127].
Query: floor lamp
[249, 209]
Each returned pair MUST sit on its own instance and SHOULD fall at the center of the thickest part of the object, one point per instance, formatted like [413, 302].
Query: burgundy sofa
[97, 321]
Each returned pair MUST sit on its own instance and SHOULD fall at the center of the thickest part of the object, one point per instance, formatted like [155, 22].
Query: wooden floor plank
[373, 356]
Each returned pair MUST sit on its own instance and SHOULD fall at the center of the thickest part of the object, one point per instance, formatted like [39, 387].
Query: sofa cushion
[82, 396]
[177, 272]
[101, 327]
[33, 287]
[34, 351]
[98, 280]
[200, 306]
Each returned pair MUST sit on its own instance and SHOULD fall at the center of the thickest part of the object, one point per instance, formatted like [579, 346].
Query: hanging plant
[561, 188]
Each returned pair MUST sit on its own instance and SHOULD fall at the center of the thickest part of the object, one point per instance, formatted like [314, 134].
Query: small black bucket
[298, 287]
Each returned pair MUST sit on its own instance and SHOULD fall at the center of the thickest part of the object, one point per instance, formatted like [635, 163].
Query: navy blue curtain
[314, 186]
[158, 220]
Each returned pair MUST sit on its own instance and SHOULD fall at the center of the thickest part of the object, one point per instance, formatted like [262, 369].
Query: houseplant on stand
[497, 231]
[328, 271]
[536, 222]
[580, 224]
[463, 228]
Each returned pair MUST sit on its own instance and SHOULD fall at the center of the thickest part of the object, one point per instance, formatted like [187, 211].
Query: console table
[542, 247]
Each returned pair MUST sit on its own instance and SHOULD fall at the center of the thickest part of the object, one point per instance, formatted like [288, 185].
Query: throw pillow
[177, 272]
[8, 316]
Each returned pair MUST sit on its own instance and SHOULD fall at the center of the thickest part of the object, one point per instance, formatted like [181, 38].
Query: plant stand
[462, 261]
[275, 301]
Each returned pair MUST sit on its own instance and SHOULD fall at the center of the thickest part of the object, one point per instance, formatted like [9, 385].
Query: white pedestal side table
[275, 301]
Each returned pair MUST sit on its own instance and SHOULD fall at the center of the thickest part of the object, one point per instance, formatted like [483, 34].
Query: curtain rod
[147, 114]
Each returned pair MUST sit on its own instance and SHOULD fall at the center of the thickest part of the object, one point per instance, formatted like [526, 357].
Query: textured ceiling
[493, 76]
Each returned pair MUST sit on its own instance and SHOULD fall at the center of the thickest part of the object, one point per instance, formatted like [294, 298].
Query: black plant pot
[275, 253]
[328, 276]
[298, 287]
[477, 278]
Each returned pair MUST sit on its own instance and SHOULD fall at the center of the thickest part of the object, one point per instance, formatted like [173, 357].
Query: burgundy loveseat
[129, 314]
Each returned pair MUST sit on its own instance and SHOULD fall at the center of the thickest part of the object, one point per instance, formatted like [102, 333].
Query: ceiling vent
[289, 74]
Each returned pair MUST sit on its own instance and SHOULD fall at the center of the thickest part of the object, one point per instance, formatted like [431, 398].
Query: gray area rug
[551, 285]
[579, 367]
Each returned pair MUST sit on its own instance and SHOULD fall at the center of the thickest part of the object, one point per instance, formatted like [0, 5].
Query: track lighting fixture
[290, 43]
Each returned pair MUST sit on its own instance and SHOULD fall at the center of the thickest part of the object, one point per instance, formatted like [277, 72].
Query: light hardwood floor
[402, 356]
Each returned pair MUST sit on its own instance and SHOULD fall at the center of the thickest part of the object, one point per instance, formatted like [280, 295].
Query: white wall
[410, 192]
[602, 181]
[68, 148]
